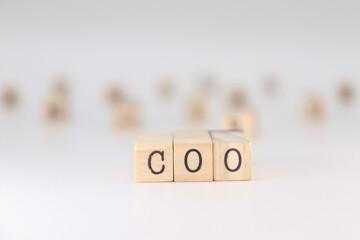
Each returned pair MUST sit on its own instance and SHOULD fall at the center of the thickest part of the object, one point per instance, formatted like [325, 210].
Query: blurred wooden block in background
[154, 158]
[346, 92]
[127, 116]
[115, 95]
[314, 108]
[244, 120]
[193, 159]
[197, 110]
[56, 108]
[237, 98]
[232, 155]
[10, 97]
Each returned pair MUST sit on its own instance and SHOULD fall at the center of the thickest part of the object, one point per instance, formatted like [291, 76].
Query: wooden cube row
[193, 156]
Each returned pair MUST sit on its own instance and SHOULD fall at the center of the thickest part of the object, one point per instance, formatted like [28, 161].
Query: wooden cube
[193, 158]
[10, 97]
[115, 95]
[237, 98]
[346, 92]
[244, 120]
[127, 116]
[314, 108]
[232, 156]
[197, 110]
[56, 108]
[154, 158]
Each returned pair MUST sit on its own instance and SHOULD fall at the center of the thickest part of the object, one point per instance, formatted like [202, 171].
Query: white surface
[78, 183]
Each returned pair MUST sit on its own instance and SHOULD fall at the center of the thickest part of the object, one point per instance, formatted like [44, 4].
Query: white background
[77, 180]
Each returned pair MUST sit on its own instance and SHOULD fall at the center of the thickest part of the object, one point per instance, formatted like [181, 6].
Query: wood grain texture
[232, 156]
[193, 160]
[154, 158]
[244, 120]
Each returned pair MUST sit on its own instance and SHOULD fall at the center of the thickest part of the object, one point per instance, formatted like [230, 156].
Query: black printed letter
[162, 159]
[226, 158]
[186, 160]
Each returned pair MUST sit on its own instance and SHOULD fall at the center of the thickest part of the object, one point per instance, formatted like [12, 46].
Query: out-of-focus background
[73, 176]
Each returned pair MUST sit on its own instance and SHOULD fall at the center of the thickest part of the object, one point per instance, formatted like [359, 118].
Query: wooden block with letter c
[154, 158]
[193, 159]
[232, 156]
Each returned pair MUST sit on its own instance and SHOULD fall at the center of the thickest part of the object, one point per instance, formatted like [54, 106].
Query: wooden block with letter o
[193, 159]
[232, 156]
[154, 158]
